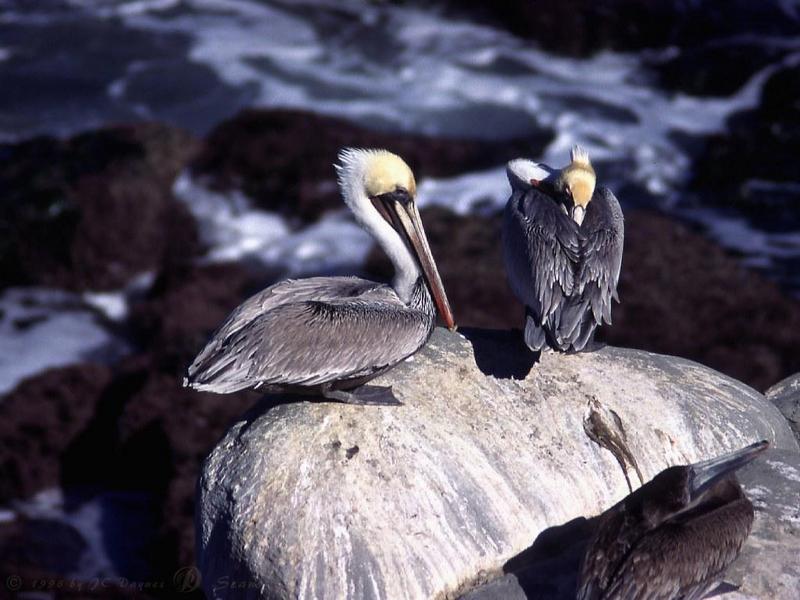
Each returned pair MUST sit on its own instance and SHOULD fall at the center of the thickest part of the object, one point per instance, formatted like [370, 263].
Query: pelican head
[577, 180]
[379, 188]
[682, 488]
[523, 174]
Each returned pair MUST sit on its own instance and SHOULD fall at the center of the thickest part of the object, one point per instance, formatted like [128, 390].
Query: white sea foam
[42, 328]
[435, 68]
[483, 190]
[234, 230]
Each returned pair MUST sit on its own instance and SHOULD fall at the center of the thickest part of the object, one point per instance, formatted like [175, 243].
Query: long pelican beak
[709, 472]
[405, 217]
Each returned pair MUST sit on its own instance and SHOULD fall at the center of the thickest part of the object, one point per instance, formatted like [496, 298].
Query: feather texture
[565, 274]
[313, 331]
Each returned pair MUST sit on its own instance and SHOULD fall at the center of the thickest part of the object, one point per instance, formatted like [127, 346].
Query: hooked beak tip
[708, 472]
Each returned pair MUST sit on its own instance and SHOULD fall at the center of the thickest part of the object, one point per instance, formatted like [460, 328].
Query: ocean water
[72, 64]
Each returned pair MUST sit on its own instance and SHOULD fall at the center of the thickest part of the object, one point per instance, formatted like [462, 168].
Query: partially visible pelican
[674, 537]
[562, 242]
[329, 335]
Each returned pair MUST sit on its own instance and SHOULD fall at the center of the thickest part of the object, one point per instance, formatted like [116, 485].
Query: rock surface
[301, 499]
[68, 204]
[768, 568]
[39, 420]
[786, 396]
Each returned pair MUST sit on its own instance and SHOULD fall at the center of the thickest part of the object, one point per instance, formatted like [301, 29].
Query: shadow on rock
[547, 570]
[492, 355]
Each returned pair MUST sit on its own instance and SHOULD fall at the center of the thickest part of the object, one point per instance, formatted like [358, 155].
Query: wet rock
[39, 419]
[68, 205]
[134, 428]
[149, 434]
[38, 559]
[681, 294]
[765, 570]
[751, 166]
[786, 396]
[487, 452]
[267, 154]
[707, 70]
[185, 305]
[165, 431]
[581, 27]
[48, 544]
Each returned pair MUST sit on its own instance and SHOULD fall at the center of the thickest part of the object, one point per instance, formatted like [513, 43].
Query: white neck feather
[351, 181]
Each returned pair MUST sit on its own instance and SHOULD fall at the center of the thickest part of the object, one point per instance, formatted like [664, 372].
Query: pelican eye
[399, 194]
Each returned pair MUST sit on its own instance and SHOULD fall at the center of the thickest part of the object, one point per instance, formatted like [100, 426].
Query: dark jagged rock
[39, 419]
[44, 543]
[128, 430]
[92, 211]
[185, 305]
[752, 166]
[707, 70]
[164, 433]
[681, 294]
[283, 159]
[581, 27]
[149, 434]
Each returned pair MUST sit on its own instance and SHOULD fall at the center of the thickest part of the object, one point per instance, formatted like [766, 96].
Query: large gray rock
[786, 396]
[321, 500]
[769, 566]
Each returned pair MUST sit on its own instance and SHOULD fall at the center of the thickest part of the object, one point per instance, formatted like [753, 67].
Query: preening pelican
[674, 537]
[329, 335]
[562, 243]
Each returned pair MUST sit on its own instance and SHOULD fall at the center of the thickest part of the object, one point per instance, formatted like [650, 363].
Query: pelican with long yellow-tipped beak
[330, 335]
[562, 242]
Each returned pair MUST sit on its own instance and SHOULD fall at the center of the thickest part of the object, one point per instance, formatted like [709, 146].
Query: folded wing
[308, 332]
[541, 246]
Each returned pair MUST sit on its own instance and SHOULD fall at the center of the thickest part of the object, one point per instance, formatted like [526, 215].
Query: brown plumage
[673, 538]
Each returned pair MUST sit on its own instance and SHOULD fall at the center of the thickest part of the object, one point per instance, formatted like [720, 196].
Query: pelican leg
[376, 395]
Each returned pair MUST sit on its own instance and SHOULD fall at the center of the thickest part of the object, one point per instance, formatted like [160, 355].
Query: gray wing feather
[308, 332]
[541, 246]
[602, 238]
[601, 255]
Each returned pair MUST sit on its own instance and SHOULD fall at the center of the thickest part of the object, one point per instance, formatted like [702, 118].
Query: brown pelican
[562, 241]
[329, 335]
[674, 537]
